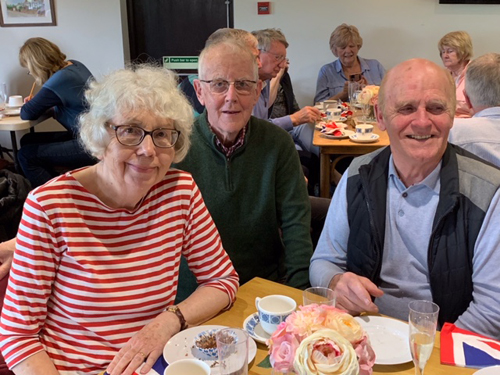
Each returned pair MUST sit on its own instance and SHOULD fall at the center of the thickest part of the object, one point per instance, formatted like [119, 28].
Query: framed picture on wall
[27, 13]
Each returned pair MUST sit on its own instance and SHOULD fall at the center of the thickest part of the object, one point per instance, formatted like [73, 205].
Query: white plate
[373, 138]
[254, 329]
[389, 339]
[346, 134]
[493, 370]
[12, 112]
[320, 125]
[180, 346]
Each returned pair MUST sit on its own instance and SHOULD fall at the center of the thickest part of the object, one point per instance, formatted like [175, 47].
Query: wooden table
[257, 287]
[342, 147]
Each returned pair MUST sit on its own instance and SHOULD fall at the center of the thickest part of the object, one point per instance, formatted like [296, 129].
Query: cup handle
[257, 300]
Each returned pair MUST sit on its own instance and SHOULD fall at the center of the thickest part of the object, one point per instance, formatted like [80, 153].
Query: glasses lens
[219, 86]
[243, 86]
[129, 135]
[165, 137]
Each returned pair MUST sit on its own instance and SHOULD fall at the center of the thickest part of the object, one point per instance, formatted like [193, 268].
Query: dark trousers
[43, 154]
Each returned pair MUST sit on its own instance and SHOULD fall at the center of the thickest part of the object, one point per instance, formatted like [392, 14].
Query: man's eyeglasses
[277, 58]
[131, 135]
[220, 86]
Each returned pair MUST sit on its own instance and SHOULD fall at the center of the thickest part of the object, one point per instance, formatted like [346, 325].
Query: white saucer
[254, 329]
[12, 112]
[13, 107]
[371, 139]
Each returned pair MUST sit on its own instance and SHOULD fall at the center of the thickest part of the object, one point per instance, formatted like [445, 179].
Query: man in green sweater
[248, 172]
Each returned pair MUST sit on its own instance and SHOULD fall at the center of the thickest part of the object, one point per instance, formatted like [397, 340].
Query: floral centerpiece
[369, 97]
[320, 339]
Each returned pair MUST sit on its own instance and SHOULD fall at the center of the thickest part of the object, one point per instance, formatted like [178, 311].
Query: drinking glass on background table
[232, 345]
[422, 320]
[354, 88]
[319, 296]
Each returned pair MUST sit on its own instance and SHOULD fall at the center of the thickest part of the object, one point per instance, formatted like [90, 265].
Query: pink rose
[366, 356]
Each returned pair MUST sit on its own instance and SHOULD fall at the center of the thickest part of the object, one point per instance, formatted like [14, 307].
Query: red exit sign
[263, 7]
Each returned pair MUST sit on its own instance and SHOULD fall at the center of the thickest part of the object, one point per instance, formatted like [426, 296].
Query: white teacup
[364, 131]
[333, 112]
[187, 366]
[15, 101]
[273, 310]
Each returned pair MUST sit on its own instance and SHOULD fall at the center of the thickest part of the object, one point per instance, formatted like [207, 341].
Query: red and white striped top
[85, 277]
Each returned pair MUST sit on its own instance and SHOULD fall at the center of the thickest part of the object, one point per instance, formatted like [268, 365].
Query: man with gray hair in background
[272, 47]
[480, 134]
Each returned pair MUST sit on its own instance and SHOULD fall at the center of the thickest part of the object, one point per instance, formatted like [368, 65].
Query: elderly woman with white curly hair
[95, 269]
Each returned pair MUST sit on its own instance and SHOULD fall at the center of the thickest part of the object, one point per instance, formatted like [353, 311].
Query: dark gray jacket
[468, 185]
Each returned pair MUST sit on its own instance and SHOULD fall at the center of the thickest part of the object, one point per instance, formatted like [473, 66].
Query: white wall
[392, 30]
[89, 31]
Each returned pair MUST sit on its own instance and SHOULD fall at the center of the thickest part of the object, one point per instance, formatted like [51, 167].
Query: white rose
[326, 352]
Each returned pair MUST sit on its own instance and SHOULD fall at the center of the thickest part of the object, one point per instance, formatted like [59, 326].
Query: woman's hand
[145, 346]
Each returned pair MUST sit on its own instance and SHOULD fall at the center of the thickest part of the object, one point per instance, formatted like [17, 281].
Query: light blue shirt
[404, 272]
[331, 77]
[479, 134]
[261, 110]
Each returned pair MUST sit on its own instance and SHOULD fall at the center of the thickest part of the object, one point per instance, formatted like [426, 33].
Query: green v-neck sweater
[258, 200]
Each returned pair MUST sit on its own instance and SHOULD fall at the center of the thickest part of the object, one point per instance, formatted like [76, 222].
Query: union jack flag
[463, 348]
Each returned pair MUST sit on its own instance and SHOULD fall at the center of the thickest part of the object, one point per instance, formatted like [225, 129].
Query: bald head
[226, 50]
[414, 72]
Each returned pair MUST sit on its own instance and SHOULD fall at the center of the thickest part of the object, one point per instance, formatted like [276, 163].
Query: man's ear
[198, 89]
[467, 99]
[379, 116]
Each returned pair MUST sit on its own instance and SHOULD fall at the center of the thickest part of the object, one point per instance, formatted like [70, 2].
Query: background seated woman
[98, 249]
[455, 49]
[345, 43]
[62, 97]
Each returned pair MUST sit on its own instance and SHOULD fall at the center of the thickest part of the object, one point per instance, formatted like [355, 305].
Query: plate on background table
[181, 346]
[371, 139]
[345, 134]
[389, 339]
[254, 329]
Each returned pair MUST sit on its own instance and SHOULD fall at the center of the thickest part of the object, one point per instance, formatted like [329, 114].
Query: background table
[257, 287]
[14, 124]
[341, 148]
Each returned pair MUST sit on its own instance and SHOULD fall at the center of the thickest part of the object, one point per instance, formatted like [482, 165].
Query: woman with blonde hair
[61, 96]
[455, 49]
[345, 43]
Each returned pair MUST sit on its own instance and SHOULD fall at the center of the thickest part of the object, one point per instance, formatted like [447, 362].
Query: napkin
[463, 348]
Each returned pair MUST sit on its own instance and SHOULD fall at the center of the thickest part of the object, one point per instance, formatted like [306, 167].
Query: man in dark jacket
[416, 220]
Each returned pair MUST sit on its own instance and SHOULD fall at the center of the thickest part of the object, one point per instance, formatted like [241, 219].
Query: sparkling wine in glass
[422, 320]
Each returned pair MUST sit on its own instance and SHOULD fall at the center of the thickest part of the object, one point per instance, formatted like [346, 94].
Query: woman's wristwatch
[175, 309]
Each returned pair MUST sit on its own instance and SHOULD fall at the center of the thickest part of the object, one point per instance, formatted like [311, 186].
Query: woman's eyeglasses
[131, 135]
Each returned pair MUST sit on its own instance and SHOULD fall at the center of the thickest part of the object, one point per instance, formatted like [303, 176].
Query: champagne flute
[422, 319]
